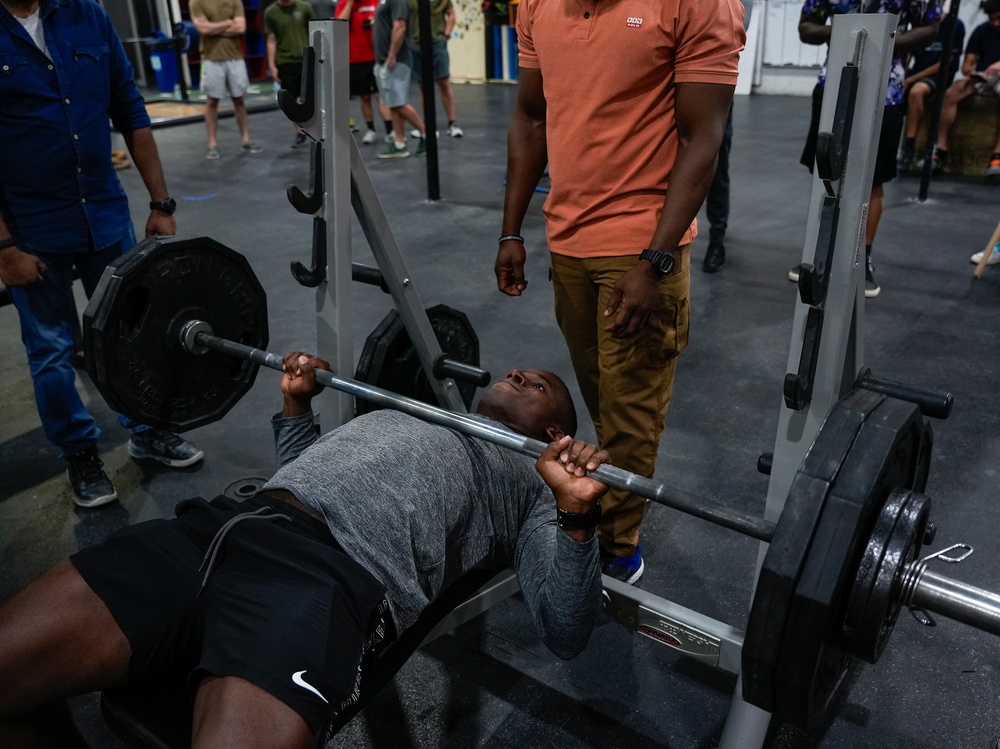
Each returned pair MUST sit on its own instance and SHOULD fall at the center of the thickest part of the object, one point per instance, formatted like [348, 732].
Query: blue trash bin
[164, 61]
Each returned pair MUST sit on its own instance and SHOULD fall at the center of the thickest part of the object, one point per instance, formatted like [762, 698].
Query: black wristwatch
[579, 521]
[662, 261]
[167, 206]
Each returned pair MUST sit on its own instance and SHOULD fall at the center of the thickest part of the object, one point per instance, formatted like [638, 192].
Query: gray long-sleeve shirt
[418, 505]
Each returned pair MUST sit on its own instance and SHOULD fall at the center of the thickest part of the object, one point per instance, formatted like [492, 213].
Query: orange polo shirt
[609, 68]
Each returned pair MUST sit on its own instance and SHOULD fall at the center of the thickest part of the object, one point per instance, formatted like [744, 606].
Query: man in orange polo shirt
[626, 103]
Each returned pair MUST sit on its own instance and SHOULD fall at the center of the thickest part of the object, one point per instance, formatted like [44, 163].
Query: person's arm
[238, 27]
[449, 22]
[211, 28]
[916, 38]
[921, 74]
[272, 51]
[17, 267]
[295, 427]
[559, 571]
[396, 42]
[344, 9]
[142, 147]
[701, 110]
[813, 31]
[969, 64]
[527, 155]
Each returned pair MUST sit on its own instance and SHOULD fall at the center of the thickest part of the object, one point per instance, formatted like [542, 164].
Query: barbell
[175, 333]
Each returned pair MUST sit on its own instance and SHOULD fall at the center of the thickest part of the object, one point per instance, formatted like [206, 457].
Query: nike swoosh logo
[297, 678]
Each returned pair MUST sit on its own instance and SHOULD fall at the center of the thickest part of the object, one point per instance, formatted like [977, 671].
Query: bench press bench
[158, 714]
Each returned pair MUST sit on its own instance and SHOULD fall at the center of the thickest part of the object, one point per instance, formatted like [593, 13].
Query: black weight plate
[905, 515]
[789, 546]
[812, 663]
[390, 361]
[132, 331]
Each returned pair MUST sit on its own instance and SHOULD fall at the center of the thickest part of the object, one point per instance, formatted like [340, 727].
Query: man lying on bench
[275, 604]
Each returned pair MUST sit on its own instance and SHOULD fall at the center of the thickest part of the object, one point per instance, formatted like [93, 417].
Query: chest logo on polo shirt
[633, 23]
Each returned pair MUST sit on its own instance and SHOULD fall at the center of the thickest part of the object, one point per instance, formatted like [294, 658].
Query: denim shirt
[59, 192]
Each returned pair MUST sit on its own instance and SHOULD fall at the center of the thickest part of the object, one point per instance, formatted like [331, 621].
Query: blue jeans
[47, 311]
[717, 202]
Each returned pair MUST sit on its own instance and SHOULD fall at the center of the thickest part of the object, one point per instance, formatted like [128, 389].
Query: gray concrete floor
[491, 683]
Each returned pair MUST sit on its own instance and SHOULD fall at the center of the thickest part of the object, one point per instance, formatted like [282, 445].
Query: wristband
[516, 237]
[579, 521]
[9, 242]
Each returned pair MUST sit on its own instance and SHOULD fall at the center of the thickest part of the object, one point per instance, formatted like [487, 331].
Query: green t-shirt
[290, 26]
[219, 48]
[438, 10]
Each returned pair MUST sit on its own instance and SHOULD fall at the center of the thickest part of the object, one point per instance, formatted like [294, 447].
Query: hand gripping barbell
[176, 330]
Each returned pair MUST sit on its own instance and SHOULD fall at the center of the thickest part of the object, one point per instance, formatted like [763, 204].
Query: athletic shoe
[872, 289]
[793, 274]
[389, 138]
[164, 447]
[414, 133]
[627, 569]
[250, 147]
[715, 258]
[212, 154]
[91, 485]
[421, 148]
[354, 127]
[300, 140]
[454, 131]
[993, 170]
[994, 256]
[393, 151]
[369, 137]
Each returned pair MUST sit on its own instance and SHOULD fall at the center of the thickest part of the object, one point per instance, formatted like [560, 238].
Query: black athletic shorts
[888, 140]
[362, 76]
[270, 598]
[290, 74]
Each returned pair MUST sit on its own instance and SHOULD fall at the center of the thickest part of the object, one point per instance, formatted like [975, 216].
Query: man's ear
[554, 433]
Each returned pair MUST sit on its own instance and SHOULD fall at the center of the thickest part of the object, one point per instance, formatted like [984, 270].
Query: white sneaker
[369, 137]
[455, 131]
[389, 138]
[414, 133]
[994, 256]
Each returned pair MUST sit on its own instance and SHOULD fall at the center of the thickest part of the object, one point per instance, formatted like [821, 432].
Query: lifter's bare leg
[232, 712]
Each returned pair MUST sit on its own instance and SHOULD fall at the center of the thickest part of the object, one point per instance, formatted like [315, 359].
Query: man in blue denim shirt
[63, 73]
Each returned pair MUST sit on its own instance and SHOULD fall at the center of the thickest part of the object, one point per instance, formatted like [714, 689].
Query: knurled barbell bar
[174, 334]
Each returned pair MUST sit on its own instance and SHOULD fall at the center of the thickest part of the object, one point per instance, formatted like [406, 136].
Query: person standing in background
[62, 208]
[286, 23]
[221, 24]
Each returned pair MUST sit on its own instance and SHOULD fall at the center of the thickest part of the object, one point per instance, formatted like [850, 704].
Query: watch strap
[579, 521]
[662, 260]
[167, 206]
[9, 242]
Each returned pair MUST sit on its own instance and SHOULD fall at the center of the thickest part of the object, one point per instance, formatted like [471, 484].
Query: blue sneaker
[627, 569]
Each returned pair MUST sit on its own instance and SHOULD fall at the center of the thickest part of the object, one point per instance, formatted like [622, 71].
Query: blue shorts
[440, 58]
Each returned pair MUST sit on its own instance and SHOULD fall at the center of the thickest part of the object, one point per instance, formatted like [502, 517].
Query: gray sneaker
[250, 147]
[212, 154]
[164, 447]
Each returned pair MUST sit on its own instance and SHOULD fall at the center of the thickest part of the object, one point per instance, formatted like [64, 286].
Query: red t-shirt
[362, 19]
